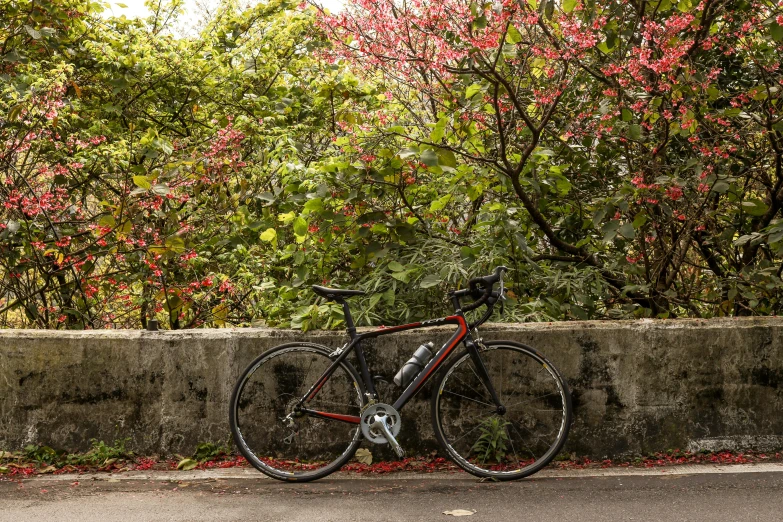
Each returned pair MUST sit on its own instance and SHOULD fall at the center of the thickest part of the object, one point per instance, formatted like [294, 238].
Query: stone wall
[638, 387]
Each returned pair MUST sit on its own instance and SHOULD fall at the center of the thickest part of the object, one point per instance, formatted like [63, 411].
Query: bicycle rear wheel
[289, 445]
[504, 445]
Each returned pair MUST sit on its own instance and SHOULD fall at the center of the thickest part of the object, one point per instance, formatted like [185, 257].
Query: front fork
[481, 370]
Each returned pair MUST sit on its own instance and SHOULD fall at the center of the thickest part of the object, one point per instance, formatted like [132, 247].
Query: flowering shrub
[634, 147]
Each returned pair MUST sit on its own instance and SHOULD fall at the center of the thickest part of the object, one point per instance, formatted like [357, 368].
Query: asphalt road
[658, 496]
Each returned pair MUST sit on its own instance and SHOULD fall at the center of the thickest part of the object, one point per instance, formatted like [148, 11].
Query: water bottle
[414, 365]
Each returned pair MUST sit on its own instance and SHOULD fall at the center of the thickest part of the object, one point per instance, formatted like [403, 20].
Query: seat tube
[369, 385]
[368, 382]
[348, 319]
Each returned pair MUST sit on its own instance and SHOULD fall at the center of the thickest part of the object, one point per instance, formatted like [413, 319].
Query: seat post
[348, 319]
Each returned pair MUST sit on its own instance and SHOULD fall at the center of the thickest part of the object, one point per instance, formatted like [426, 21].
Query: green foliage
[41, 454]
[211, 179]
[210, 451]
[206, 451]
[491, 445]
[100, 454]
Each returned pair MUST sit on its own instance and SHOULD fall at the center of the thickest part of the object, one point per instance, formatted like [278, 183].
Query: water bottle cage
[414, 365]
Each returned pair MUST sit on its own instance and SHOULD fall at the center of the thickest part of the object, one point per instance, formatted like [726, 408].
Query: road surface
[693, 493]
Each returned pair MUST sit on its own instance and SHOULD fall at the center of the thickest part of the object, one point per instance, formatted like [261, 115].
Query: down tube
[433, 365]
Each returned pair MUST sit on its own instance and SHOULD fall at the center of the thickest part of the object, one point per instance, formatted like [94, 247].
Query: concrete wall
[638, 386]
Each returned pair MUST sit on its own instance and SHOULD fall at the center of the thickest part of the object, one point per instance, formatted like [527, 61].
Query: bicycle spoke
[532, 399]
[500, 393]
[511, 441]
[471, 387]
[466, 434]
[328, 403]
[522, 440]
[307, 373]
[468, 398]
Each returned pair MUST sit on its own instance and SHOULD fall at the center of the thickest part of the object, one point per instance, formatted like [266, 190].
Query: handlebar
[481, 289]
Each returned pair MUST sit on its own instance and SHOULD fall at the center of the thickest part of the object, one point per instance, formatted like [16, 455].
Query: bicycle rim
[307, 447]
[513, 444]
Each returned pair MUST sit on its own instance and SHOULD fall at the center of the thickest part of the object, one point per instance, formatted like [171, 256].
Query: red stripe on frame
[393, 328]
[316, 390]
[345, 418]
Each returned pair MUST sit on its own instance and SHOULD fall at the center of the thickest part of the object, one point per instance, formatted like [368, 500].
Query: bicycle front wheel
[282, 442]
[510, 444]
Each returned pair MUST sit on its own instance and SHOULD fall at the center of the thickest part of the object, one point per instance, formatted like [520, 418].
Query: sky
[135, 8]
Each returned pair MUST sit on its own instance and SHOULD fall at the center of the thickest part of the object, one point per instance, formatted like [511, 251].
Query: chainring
[392, 422]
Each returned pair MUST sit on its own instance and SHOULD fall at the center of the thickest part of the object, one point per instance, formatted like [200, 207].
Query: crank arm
[381, 426]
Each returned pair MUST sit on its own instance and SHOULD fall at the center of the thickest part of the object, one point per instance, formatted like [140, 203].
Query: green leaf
[610, 229]
[755, 207]
[720, 187]
[36, 35]
[394, 266]
[604, 47]
[440, 203]
[107, 221]
[187, 464]
[402, 276]
[569, 5]
[287, 217]
[300, 226]
[684, 5]
[175, 243]
[627, 230]
[635, 131]
[16, 110]
[160, 189]
[408, 152]
[430, 281]
[513, 36]
[599, 216]
[173, 303]
[639, 220]
[775, 237]
[439, 131]
[429, 158]
[314, 205]
[549, 8]
[472, 90]
[142, 182]
[776, 31]
[269, 235]
[447, 159]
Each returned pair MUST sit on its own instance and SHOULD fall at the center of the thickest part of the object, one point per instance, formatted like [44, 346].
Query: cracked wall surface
[638, 386]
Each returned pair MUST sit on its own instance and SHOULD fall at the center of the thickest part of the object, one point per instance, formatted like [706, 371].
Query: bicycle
[499, 409]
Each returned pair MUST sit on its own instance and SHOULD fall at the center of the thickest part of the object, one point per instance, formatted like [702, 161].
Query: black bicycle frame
[462, 334]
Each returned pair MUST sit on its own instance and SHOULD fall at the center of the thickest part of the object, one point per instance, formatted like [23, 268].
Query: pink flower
[674, 192]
